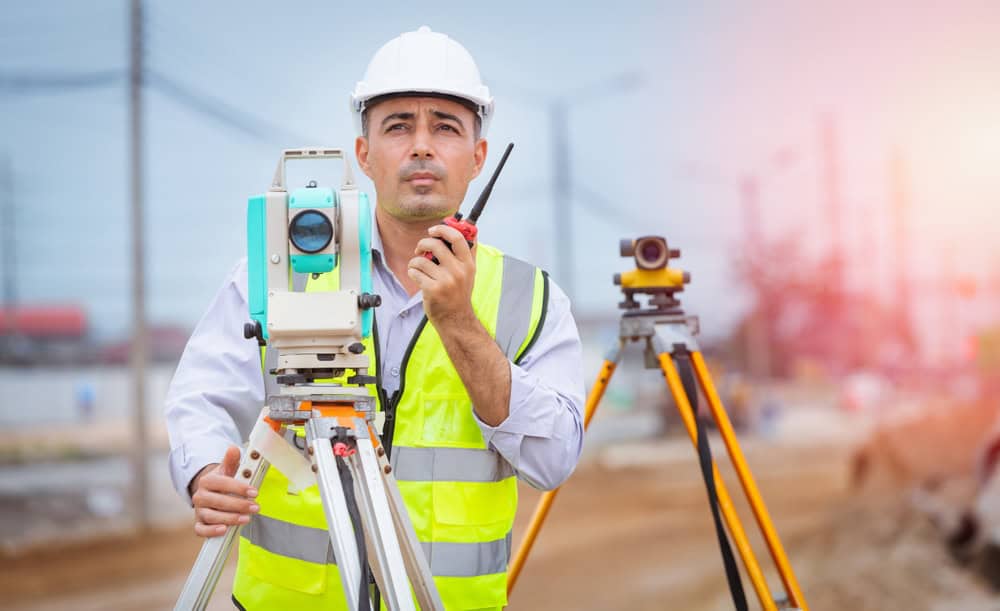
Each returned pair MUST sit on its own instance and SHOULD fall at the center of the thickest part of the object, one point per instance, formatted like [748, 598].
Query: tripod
[670, 345]
[357, 488]
[316, 336]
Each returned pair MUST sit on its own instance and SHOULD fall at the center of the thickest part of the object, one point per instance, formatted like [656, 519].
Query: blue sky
[724, 85]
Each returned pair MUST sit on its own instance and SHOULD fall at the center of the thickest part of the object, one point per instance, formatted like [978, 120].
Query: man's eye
[449, 127]
[394, 126]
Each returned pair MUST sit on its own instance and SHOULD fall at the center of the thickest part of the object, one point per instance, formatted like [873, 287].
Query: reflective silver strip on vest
[411, 464]
[313, 545]
[467, 559]
[291, 540]
[516, 297]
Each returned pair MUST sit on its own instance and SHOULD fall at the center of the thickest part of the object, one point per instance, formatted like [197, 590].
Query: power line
[39, 82]
[218, 110]
[162, 37]
[36, 81]
[606, 209]
[42, 21]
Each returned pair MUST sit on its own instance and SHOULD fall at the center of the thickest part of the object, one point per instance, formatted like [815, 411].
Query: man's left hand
[447, 286]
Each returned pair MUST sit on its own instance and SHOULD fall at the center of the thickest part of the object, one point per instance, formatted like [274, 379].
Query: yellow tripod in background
[670, 344]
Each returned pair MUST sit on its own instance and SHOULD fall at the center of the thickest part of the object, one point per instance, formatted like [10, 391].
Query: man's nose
[422, 144]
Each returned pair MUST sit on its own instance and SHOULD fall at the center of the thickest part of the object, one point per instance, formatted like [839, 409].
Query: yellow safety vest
[461, 495]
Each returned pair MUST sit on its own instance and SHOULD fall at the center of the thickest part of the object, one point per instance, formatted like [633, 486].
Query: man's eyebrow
[404, 116]
[448, 116]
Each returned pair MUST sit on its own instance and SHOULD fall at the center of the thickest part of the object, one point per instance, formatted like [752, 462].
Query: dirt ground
[631, 530]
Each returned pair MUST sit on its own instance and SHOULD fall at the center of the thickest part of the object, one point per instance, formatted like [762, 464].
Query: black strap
[389, 428]
[682, 359]
[347, 483]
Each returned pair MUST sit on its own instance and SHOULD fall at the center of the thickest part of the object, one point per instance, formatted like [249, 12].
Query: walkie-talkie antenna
[485, 195]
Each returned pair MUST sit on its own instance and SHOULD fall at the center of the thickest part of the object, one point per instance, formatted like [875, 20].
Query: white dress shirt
[217, 391]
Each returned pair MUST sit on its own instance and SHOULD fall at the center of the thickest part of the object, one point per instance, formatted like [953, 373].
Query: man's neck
[399, 240]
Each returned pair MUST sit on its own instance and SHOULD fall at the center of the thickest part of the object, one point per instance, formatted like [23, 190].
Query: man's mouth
[420, 179]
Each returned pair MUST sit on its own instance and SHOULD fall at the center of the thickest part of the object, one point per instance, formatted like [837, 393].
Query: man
[479, 359]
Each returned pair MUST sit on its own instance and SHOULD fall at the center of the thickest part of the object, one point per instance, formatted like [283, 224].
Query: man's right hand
[220, 500]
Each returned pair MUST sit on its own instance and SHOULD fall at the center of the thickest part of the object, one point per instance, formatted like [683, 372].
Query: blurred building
[62, 335]
[54, 334]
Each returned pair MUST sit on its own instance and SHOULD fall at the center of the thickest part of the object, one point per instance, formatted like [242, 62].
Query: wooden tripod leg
[545, 503]
[749, 486]
[732, 520]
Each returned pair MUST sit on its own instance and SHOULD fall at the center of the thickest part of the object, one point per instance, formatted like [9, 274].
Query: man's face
[421, 153]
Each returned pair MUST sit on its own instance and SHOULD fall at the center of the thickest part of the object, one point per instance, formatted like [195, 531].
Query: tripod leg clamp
[283, 457]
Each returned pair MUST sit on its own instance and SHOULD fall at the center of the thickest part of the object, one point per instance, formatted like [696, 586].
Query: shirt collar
[376, 238]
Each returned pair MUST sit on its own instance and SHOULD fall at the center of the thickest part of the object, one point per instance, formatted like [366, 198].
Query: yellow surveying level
[670, 345]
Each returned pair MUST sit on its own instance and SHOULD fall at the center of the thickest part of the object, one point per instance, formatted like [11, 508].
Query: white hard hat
[423, 62]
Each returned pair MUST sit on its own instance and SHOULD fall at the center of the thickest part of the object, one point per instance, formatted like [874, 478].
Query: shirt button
[395, 372]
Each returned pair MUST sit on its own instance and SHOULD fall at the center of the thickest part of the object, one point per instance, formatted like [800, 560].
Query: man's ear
[479, 156]
[361, 154]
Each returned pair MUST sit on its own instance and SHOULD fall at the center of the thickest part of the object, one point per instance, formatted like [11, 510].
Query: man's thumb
[230, 462]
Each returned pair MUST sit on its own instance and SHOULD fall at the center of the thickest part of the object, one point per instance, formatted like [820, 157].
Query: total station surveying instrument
[317, 336]
[670, 345]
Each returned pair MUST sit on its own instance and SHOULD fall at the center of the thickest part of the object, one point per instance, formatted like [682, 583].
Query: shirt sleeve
[217, 391]
[542, 436]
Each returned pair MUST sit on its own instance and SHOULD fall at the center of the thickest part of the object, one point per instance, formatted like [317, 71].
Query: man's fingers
[427, 268]
[231, 461]
[436, 247]
[209, 530]
[226, 502]
[453, 236]
[213, 516]
[217, 482]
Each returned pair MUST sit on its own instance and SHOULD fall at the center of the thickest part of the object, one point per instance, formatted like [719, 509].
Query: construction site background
[828, 172]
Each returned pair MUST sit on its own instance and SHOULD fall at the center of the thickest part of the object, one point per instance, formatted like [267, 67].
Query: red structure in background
[60, 335]
[38, 322]
[49, 334]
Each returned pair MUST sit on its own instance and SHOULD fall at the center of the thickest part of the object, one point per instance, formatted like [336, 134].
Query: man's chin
[425, 209]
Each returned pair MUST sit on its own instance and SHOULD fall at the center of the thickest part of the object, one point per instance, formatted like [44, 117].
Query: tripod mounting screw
[311, 451]
[255, 455]
[387, 469]
[315, 468]
[247, 473]
[380, 451]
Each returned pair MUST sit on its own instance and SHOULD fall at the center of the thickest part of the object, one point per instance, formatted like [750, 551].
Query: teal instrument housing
[365, 244]
[313, 264]
[257, 259]
[316, 198]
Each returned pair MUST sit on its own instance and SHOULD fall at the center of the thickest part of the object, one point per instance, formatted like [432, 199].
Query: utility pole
[8, 347]
[140, 498]
[562, 197]
[832, 200]
[952, 331]
[757, 331]
[9, 250]
[756, 336]
[750, 200]
[563, 209]
[832, 203]
[899, 210]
